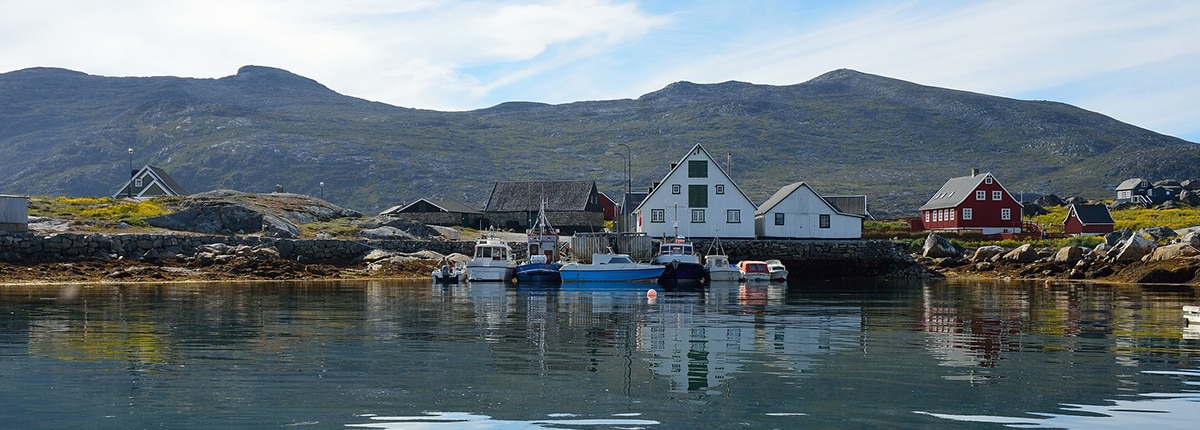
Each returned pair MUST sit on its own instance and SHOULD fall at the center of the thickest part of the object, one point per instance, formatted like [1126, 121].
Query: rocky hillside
[66, 133]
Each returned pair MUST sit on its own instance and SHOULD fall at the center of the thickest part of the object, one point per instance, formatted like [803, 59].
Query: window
[697, 196]
[697, 169]
[779, 219]
[824, 221]
[137, 182]
[733, 216]
[658, 215]
[926, 216]
[720, 188]
[697, 215]
[967, 213]
[952, 213]
[1005, 214]
[675, 188]
[996, 195]
[981, 195]
[987, 180]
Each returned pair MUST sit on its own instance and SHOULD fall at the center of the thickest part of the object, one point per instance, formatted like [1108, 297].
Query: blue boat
[610, 267]
[681, 263]
[542, 247]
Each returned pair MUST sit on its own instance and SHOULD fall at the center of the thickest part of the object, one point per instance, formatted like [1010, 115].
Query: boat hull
[543, 272]
[676, 273]
[724, 274]
[489, 273]
[584, 274]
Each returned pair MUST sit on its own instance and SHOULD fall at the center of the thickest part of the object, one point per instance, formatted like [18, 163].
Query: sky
[1135, 61]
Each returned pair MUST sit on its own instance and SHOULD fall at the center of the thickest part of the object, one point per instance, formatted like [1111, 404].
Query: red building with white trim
[1088, 220]
[977, 202]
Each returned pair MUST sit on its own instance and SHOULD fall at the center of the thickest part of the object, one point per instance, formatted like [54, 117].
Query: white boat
[448, 273]
[778, 271]
[754, 271]
[1191, 314]
[493, 261]
[717, 266]
[610, 267]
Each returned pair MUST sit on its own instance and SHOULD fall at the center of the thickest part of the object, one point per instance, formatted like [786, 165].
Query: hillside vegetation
[844, 132]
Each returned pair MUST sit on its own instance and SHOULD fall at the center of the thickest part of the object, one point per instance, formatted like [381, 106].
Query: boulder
[1113, 238]
[211, 217]
[1190, 184]
[1157, 234]
[386, 232]
[1033, 209]
[985, 253]
[1169, 204]
[1192, 238]
[1021, 254]
[1132, 249]
[1172, 251]
[1070, 254]
[1048, 200]
[274, 226]
[1075, 200]
[938, 247]
[1167, 183]
[1115, 206]
[1189, 197]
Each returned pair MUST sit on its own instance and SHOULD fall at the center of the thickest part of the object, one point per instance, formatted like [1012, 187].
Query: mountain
[64, 132]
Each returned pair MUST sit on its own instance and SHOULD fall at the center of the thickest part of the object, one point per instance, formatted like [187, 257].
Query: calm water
[409, 355]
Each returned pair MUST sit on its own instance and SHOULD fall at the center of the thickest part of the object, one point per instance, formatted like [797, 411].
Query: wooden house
[1088, 220]
[796, 211]
[610, 207]
[571, 206]
[977, 202]
[437, 212]
[696, 198]
[150, 181]
[1141, 191]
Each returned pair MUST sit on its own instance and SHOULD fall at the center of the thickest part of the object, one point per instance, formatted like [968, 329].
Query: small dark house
[437, 212]
[571, 206]
[1088, 220]
[150, 181]
[1141, 191]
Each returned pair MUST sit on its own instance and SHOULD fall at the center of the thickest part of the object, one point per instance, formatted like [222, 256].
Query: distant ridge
[64, 132]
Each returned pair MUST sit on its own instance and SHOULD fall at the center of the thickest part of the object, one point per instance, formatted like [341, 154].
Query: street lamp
[130, 151]
[628, 180]
[321, 190]
[620, 220]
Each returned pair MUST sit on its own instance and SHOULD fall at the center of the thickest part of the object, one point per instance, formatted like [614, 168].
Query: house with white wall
[696, 199]
[796, 211]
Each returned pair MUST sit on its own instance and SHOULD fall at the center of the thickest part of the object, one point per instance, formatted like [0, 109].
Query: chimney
[653, 186]
[974, 172]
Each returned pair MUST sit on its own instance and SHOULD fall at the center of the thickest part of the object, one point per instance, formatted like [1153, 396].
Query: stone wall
[826, 259]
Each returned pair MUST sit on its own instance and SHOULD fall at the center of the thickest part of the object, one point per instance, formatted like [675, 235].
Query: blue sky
[1136, 61]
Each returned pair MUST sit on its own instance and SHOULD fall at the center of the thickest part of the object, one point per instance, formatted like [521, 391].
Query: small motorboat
[779, 272]
[1191, 314]
[542, 247]
[754, 271]
[716, 264]
[448, 273]
[681, 262]
[610, 267]
[538, 269]
[493, 261]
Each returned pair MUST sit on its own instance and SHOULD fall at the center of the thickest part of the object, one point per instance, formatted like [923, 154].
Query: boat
[610, 267]
[754, 271]
[716, 264]
[542, 247]
[779, 272]
[448, 273]
[1191, 314]
[493, 261]
[680, 261]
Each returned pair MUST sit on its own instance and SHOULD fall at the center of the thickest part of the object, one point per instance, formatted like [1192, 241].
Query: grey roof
[1091, 214]
[527, 196]
[788, 189]
[1134, 183]
[955, 191]
[444, 205]
[167, 180]
[856, 205]
[633, 199]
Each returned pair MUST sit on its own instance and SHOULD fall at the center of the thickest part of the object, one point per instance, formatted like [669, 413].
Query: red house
[610, 207]
[977, 202]
[1088, 220]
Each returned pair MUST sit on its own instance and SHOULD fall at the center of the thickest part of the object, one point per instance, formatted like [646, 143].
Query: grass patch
[340, 228]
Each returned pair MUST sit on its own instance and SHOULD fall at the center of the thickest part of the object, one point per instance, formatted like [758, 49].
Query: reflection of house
[1140, 191]
[571, 206]
[698, 199]
[437, 212]
[150, 181]
[14, 213]
[1088, 220]
[976, 202]
[796, 211]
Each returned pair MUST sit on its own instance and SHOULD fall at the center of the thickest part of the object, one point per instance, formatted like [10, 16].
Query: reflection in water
[462, 420]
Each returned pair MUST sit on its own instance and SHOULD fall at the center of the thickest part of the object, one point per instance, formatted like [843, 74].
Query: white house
[796, 211]
[696, 199]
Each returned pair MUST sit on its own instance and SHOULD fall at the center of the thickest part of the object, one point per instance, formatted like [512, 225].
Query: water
[410, 355]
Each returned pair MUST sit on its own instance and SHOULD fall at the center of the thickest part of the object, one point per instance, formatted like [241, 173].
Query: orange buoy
[651, 294]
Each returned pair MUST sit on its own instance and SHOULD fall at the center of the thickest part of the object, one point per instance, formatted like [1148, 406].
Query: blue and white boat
[610, 267]
[681, 263]
[542, 247]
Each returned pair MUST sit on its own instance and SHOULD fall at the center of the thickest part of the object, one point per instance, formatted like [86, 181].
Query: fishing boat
[448, 273]
[542, 247]
[717, 266]
[680, 261]
[754, 271]
[493, 261]
[610, 267]
[779, 272]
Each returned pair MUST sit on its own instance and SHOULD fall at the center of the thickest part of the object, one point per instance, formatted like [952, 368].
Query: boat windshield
[620, 259]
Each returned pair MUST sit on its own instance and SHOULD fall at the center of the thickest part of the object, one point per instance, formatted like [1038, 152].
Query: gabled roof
[158, 176]
[957, 190]
[788, 189]
[167, 180]
[1090, 214]
[1131, 184]
[681, 164]
[527, 196]
[443, 205]
[633, 199]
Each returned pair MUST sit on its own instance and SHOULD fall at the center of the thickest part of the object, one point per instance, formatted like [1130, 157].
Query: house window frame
[676, 188]
[980, 195]
[824, 220]
[733, 216]
[997, 195]
[137, 183]
[987, 180]
[967, 214]
[719, 188]
[779, 218]
[927, 216]
[698, 216]
[1005, 214]
[697, 168]
[658, 215]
